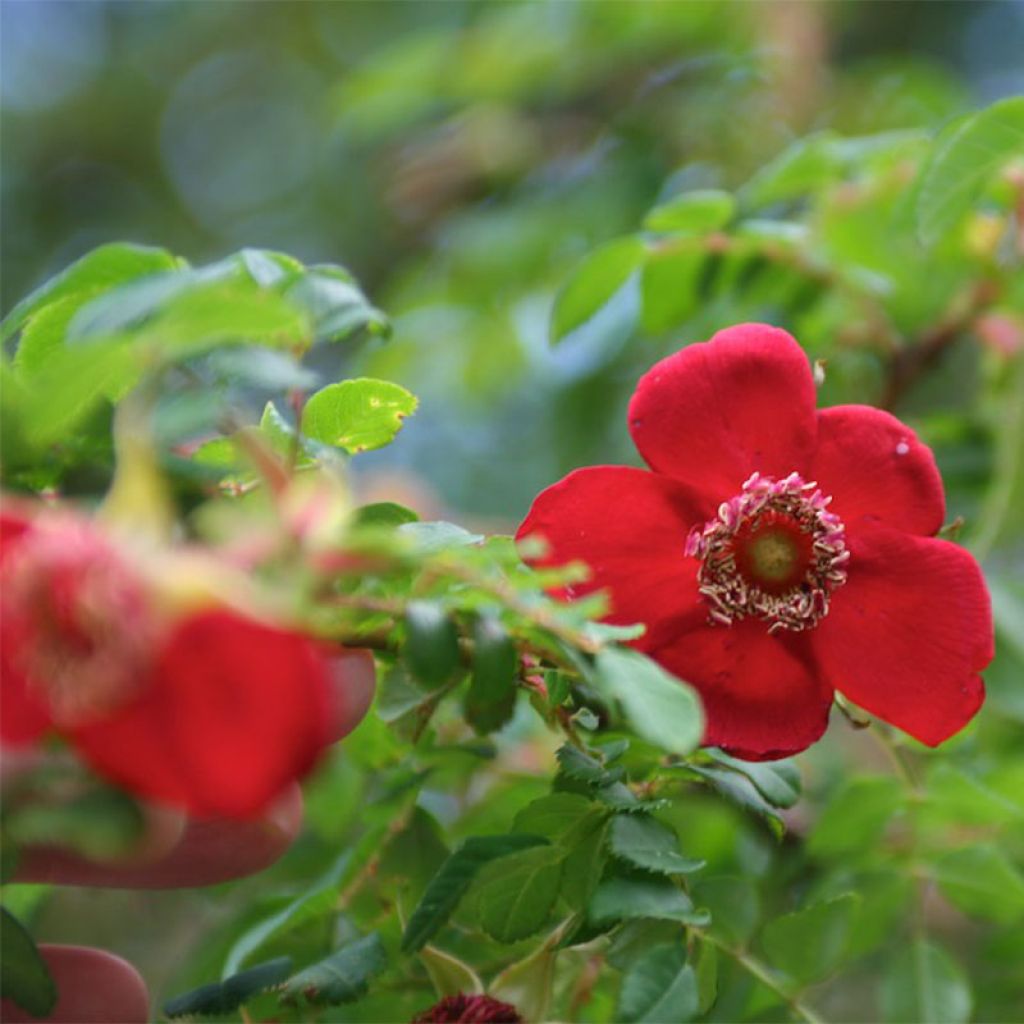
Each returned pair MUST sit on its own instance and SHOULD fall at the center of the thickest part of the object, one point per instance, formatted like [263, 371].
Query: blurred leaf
[700, 211]
[627, 898]
[225, 996]
[659, 986]
[856, 817]
[707, 976]
[964, 159]
[646, 843]
[103, 268]
[384, 514]
[515, 893]
[804, 166]
[448, 974]
[593, 283]
[811, 943]
[431, 649]
[740, 790]
[453, 879]
[491, 698]
[980, 880]
[777, 781]
[357, 415]
[261, 368]
[955, 797]
[340, 978]
[922, 982]
[268, 268]
[662, 709]
[734, 904]
[335, 304]
[430, 538]
[24, 976]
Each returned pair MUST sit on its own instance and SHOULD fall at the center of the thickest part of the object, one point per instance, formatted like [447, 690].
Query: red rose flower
[211, 710]
[470, 1010]
[777, 553]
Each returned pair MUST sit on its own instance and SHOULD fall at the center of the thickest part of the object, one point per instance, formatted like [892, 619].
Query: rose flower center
[774, 551]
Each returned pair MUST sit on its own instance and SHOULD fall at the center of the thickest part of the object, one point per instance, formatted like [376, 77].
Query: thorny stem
[754, 967]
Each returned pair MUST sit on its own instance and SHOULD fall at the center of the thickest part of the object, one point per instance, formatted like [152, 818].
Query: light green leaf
[964, 159]
[593, 283]
[449, 885]
[980, 880]
[515, 894]
[811, 943]
[804, 166]
[700, 211]
[648, 844]
[357, 415]
[662, 709]
[340, 978]
[922, 982]
[103, 268]
[335, 303]
[24, 976]
[384, 514]
[658, 987]
[628, 898]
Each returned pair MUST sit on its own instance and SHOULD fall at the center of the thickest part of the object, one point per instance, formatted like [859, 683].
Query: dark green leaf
[659, 987]
[340, 978]
[357, 415]
[431, 648]
[739, 789]
[515, 894]
[593, 284]
[24, 976]
[554, 815]
[777, 781]
[229, 994]
[648, 844]
[627, 898]
[811, 943]
[578, 765]
[491, 698]
[964, 159]
[662, 709]
[453, 879]
[922, 982]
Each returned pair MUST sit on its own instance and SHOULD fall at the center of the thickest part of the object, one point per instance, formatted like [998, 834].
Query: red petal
[714, 413]
[761, 698]
[236, 710]
[630, 527]
[909, 632]
[875, 466]
[25, 717]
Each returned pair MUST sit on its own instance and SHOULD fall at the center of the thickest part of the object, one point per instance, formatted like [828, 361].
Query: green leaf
[856, 817]
[922, 982]
[431, 649]
[964, 159]
[628, 898]
[658, 987]
[384, 514]
[342, 977]
[739, 789]
[811, 943]
[24, 977]
[734, 903]
[357, 415]
[336, 305]
[554, 815]
[450, 883]
[430, 538]
[804, 166]
[662, 709]
[228, 995]
[707, 976]
[593, 284]
[515, 894]
[576, 764]
[777, 781]
[647, 843]
[97, 271]
[448, 974]
[980, 880]
[491, 698]
[700, 211]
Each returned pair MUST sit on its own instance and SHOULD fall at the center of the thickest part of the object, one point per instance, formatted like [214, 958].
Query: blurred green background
[460, 158]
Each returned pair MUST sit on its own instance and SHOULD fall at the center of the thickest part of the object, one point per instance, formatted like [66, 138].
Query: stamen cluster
[732, 593]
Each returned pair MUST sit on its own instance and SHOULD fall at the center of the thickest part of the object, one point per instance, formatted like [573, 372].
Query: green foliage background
[544, 199]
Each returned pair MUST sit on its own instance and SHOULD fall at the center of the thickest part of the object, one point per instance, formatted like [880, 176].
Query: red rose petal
[235, 711]
[714, 413]
[762, 700]
[874, 466]
[630, 527]
[909, 632]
